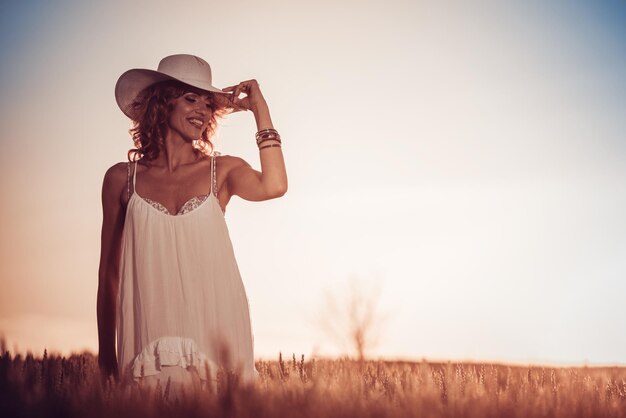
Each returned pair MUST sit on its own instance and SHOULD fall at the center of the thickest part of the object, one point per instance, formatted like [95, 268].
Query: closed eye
[193, 99]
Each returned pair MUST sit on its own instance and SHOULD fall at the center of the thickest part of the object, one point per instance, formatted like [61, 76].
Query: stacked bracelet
[266, 134]
[269, 146]
[268, 139]
[266, 131]
[269, 134]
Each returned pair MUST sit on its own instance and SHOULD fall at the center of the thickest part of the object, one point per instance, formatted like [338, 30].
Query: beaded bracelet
[267, 130]
[267, 136]
[269, 139]
[269, 146]
[276, 138]
[265, 133]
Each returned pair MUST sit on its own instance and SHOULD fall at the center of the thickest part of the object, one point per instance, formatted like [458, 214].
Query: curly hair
[154, 105]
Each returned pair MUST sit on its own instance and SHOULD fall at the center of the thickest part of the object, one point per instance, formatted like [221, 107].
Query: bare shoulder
[231, 161]
[116, 174]
[230, 165]
[115, 180]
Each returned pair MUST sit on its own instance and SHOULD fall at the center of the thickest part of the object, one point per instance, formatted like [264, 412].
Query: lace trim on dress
[189, 205]
[171, 351]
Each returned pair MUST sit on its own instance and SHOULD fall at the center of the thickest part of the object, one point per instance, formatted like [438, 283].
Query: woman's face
[190, 115]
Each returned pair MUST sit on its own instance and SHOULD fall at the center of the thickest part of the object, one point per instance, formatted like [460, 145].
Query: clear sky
[468, 159]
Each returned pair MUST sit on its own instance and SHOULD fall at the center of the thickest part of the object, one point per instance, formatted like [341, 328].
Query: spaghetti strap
[213, 189]
[135, 177]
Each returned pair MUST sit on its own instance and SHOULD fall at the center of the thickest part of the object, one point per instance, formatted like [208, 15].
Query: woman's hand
[253, 99]
[108, 367]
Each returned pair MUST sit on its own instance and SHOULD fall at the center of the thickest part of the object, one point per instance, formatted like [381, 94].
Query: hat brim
[134, 81]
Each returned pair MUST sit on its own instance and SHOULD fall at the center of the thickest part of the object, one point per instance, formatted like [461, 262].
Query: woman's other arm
[114, 184]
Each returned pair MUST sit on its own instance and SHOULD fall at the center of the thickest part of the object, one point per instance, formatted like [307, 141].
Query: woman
[169, 286]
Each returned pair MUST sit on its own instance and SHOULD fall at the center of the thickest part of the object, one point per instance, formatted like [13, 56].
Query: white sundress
[182, 301]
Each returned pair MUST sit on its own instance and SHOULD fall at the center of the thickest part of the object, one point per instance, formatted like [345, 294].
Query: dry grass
[55, 386]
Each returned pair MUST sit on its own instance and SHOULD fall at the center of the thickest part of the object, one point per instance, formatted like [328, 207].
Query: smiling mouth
[196, 122]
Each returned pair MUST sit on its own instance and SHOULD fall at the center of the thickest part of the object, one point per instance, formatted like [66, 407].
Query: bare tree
[353, 319]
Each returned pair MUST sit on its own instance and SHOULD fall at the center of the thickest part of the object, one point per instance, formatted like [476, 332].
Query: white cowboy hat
[188, 69]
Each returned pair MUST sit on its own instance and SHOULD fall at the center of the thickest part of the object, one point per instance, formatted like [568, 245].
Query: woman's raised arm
[243, 180]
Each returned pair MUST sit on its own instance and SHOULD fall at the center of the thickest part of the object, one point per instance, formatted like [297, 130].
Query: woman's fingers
[240, 87]
[249, 88]
[243, 86]
[227, 100]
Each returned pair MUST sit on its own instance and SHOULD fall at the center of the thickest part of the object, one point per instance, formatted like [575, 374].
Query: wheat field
[56, 386]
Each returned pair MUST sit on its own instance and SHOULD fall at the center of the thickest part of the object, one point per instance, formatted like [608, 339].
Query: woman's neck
[176, 152]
